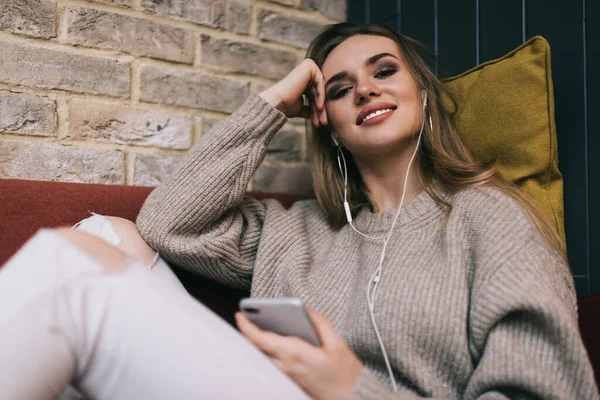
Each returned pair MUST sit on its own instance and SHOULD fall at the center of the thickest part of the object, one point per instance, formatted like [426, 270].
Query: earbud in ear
[424, 95]
[334, 140]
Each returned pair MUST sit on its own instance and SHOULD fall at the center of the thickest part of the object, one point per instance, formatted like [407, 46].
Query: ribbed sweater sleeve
[522, 330]
[200, 218]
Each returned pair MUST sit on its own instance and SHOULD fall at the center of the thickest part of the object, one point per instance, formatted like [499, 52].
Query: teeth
[376, 113]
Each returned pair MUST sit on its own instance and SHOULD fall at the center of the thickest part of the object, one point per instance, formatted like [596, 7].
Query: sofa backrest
[26, 206]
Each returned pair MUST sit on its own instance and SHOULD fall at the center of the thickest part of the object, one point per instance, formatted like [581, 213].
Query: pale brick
[232, 15]
[52, 162]
[29, 17]
[28, 65]
[192, 89]
[152, 169]
[293, 179]
[120, 3]
[237, 17]
[203, 12]
[280, 28]
[246, 57]
[138, 36]
[334, 9]
[208, 123]
[170, 8]
[286, 145]
[26, 114]
[126, 125]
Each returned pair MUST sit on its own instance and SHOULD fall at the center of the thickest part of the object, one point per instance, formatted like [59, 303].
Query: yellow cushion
[506, 111]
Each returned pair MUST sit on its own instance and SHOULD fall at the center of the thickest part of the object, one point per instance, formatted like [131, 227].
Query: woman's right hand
[286, 95]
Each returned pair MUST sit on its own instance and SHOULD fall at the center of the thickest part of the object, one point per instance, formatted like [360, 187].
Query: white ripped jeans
[134, 334]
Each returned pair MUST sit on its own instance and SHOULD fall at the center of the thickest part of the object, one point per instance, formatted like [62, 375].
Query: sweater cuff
[368, 386]
[259, 119]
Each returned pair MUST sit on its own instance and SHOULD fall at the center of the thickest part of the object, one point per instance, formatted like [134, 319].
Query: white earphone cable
[346, 205]
[376, 277]
[385, 243]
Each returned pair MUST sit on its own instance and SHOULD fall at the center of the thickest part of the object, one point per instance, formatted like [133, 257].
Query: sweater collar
[422, 210]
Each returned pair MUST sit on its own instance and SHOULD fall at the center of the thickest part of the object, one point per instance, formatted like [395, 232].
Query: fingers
[323, 118]
[319, 86]
[314, 108]
[317, 92]
[325, 329]
[257, 336]
[321, 100]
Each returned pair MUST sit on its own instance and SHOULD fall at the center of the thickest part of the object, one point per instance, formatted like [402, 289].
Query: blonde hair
[442, 156]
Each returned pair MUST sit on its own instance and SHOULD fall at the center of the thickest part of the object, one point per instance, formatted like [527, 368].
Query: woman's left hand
[326, 372]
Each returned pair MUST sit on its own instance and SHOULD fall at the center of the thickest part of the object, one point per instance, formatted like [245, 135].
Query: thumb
[324, 327]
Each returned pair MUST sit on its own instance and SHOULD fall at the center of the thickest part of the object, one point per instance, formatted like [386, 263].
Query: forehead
[353, 52]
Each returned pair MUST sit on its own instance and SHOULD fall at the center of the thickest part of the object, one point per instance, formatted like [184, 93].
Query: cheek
[338, 116]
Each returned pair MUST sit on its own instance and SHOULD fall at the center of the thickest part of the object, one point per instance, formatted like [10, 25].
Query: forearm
[204, 198]
[214, 174]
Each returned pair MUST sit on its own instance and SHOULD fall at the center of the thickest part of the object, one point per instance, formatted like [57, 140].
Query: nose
[365, 90]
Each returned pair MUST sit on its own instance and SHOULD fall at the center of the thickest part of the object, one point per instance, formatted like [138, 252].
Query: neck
[384, 178]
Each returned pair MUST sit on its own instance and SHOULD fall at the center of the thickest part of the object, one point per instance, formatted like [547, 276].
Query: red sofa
[26, 206]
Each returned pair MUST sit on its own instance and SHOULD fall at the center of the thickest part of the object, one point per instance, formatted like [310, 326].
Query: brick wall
[116, 91]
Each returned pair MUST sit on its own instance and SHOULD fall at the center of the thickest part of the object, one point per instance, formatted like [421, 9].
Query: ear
[424, 96]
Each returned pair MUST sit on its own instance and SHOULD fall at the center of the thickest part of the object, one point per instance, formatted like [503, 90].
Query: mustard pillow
[506, 111]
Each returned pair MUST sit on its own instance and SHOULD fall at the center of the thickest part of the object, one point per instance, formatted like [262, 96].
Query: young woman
[425, 273]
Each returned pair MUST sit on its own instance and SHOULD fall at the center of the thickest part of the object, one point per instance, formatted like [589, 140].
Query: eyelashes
[340, 93]
[381, 73]
[385, 72]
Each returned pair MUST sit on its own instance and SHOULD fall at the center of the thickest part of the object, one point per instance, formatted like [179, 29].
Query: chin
[382, 144]
[383, 138]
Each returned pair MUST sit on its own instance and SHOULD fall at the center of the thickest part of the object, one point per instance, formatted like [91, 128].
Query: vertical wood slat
[418, 21]
[356, 11]
[592, 24]
[457, 43]
[385, 12]
[500, 28]
[561, 23]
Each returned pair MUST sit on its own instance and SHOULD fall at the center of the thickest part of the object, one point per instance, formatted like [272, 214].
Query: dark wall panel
[418, 20]
[464, 33]
[501, 27]
[593, 132]
[561, 23]
[385, 12]
[457, 19]
[581, 285]
[357, 11]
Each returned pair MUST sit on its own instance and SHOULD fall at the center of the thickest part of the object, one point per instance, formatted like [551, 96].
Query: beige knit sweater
[479, 309]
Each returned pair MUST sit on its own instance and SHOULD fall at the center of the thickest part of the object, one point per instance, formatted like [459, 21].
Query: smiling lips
[375, 113]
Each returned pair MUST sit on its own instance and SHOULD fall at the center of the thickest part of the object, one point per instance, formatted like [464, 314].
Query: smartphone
[285, 316]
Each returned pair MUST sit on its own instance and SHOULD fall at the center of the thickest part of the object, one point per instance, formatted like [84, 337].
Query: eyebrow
[370, 61]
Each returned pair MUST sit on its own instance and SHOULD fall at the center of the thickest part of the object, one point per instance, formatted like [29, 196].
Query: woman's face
[372, 100]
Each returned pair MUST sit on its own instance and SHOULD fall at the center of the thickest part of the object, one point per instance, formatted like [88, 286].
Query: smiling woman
[458, 268]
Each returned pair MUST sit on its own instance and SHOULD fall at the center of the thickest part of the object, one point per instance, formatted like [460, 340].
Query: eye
[385, 72]
[341, 92]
